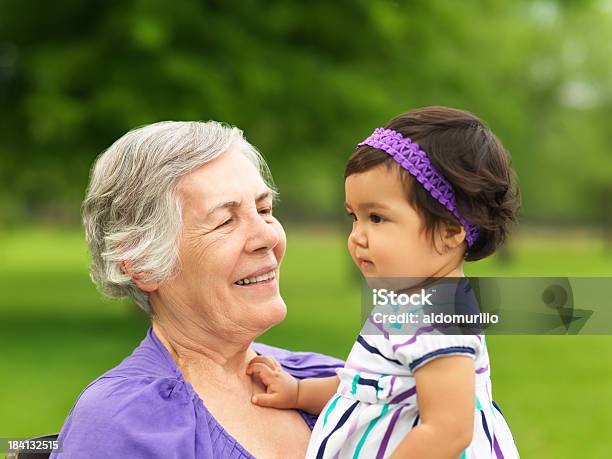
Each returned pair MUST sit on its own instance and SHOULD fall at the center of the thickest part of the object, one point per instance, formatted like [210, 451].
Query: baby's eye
[352, 215]
[374, 218]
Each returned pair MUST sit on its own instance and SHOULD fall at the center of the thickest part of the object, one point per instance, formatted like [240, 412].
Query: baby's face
[388, 237]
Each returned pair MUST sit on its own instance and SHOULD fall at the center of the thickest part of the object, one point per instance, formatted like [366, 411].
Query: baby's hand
[281, 387]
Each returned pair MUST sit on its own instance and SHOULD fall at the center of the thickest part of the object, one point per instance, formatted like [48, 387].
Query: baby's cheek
[400, 263]
[392, 253]
[351, 249]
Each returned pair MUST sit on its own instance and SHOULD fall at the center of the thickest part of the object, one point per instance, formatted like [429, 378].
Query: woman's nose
[261, 235]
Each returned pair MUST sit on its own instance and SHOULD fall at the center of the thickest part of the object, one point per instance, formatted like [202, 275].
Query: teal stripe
[355, 381]
[378, 388]
[367, 432]
[478, 405]
[332, 405]
[463, 455]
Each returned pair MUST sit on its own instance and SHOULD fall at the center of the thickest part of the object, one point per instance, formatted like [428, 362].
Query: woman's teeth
[253, 280]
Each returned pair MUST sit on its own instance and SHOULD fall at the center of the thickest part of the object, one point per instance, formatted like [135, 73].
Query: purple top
[143, 408]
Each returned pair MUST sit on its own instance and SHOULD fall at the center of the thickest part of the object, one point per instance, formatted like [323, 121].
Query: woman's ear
[138, 278]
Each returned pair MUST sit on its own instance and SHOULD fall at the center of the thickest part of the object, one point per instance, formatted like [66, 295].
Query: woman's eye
[225, 223]
[266, 211]
[376, 218]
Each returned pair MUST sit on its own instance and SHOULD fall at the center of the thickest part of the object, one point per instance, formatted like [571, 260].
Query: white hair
[131, 212]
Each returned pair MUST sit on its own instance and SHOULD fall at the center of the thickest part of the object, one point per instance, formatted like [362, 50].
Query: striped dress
[376, 403]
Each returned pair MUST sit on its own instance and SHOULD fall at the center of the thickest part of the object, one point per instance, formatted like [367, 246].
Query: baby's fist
[281, 387]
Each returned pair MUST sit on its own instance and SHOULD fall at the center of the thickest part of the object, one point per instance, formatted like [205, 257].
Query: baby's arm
[285, 391]
[445, 396]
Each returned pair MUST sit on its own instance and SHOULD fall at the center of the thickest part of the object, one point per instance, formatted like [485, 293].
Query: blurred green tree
[305, 81]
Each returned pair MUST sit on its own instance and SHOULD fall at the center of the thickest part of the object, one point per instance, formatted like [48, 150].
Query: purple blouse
[143, 408]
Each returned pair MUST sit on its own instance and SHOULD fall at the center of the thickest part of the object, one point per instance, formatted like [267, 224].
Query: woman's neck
[197, 352]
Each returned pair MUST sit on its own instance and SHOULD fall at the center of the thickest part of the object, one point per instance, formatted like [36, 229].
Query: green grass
[58, 334]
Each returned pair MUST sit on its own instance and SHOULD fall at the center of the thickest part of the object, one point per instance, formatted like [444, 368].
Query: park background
[305, 81]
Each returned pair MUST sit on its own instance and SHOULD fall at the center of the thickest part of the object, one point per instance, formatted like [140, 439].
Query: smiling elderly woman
[178, 216]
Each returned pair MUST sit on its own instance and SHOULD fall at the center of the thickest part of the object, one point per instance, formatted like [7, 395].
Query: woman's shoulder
[301, 364]
[123, 411]
[118, 392]
[130, 417]
[148, 375]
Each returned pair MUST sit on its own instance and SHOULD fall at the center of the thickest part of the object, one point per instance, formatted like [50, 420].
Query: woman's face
[230, 251]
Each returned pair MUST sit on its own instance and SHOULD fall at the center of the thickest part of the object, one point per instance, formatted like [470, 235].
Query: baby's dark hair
[471, 158]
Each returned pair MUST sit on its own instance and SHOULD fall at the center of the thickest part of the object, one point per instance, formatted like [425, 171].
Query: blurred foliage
[305, 81]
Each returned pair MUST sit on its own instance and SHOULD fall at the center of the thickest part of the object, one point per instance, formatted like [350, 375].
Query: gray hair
[131, 212]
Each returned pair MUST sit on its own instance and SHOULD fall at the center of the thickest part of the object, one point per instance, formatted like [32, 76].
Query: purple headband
[409, 155]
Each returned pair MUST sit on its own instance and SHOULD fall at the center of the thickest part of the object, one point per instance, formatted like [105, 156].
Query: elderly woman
[178, 217]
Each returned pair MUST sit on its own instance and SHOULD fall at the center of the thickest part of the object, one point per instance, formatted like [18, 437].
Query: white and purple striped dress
[376, 404]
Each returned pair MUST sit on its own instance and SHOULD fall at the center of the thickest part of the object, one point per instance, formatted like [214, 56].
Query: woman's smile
[267, 279]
